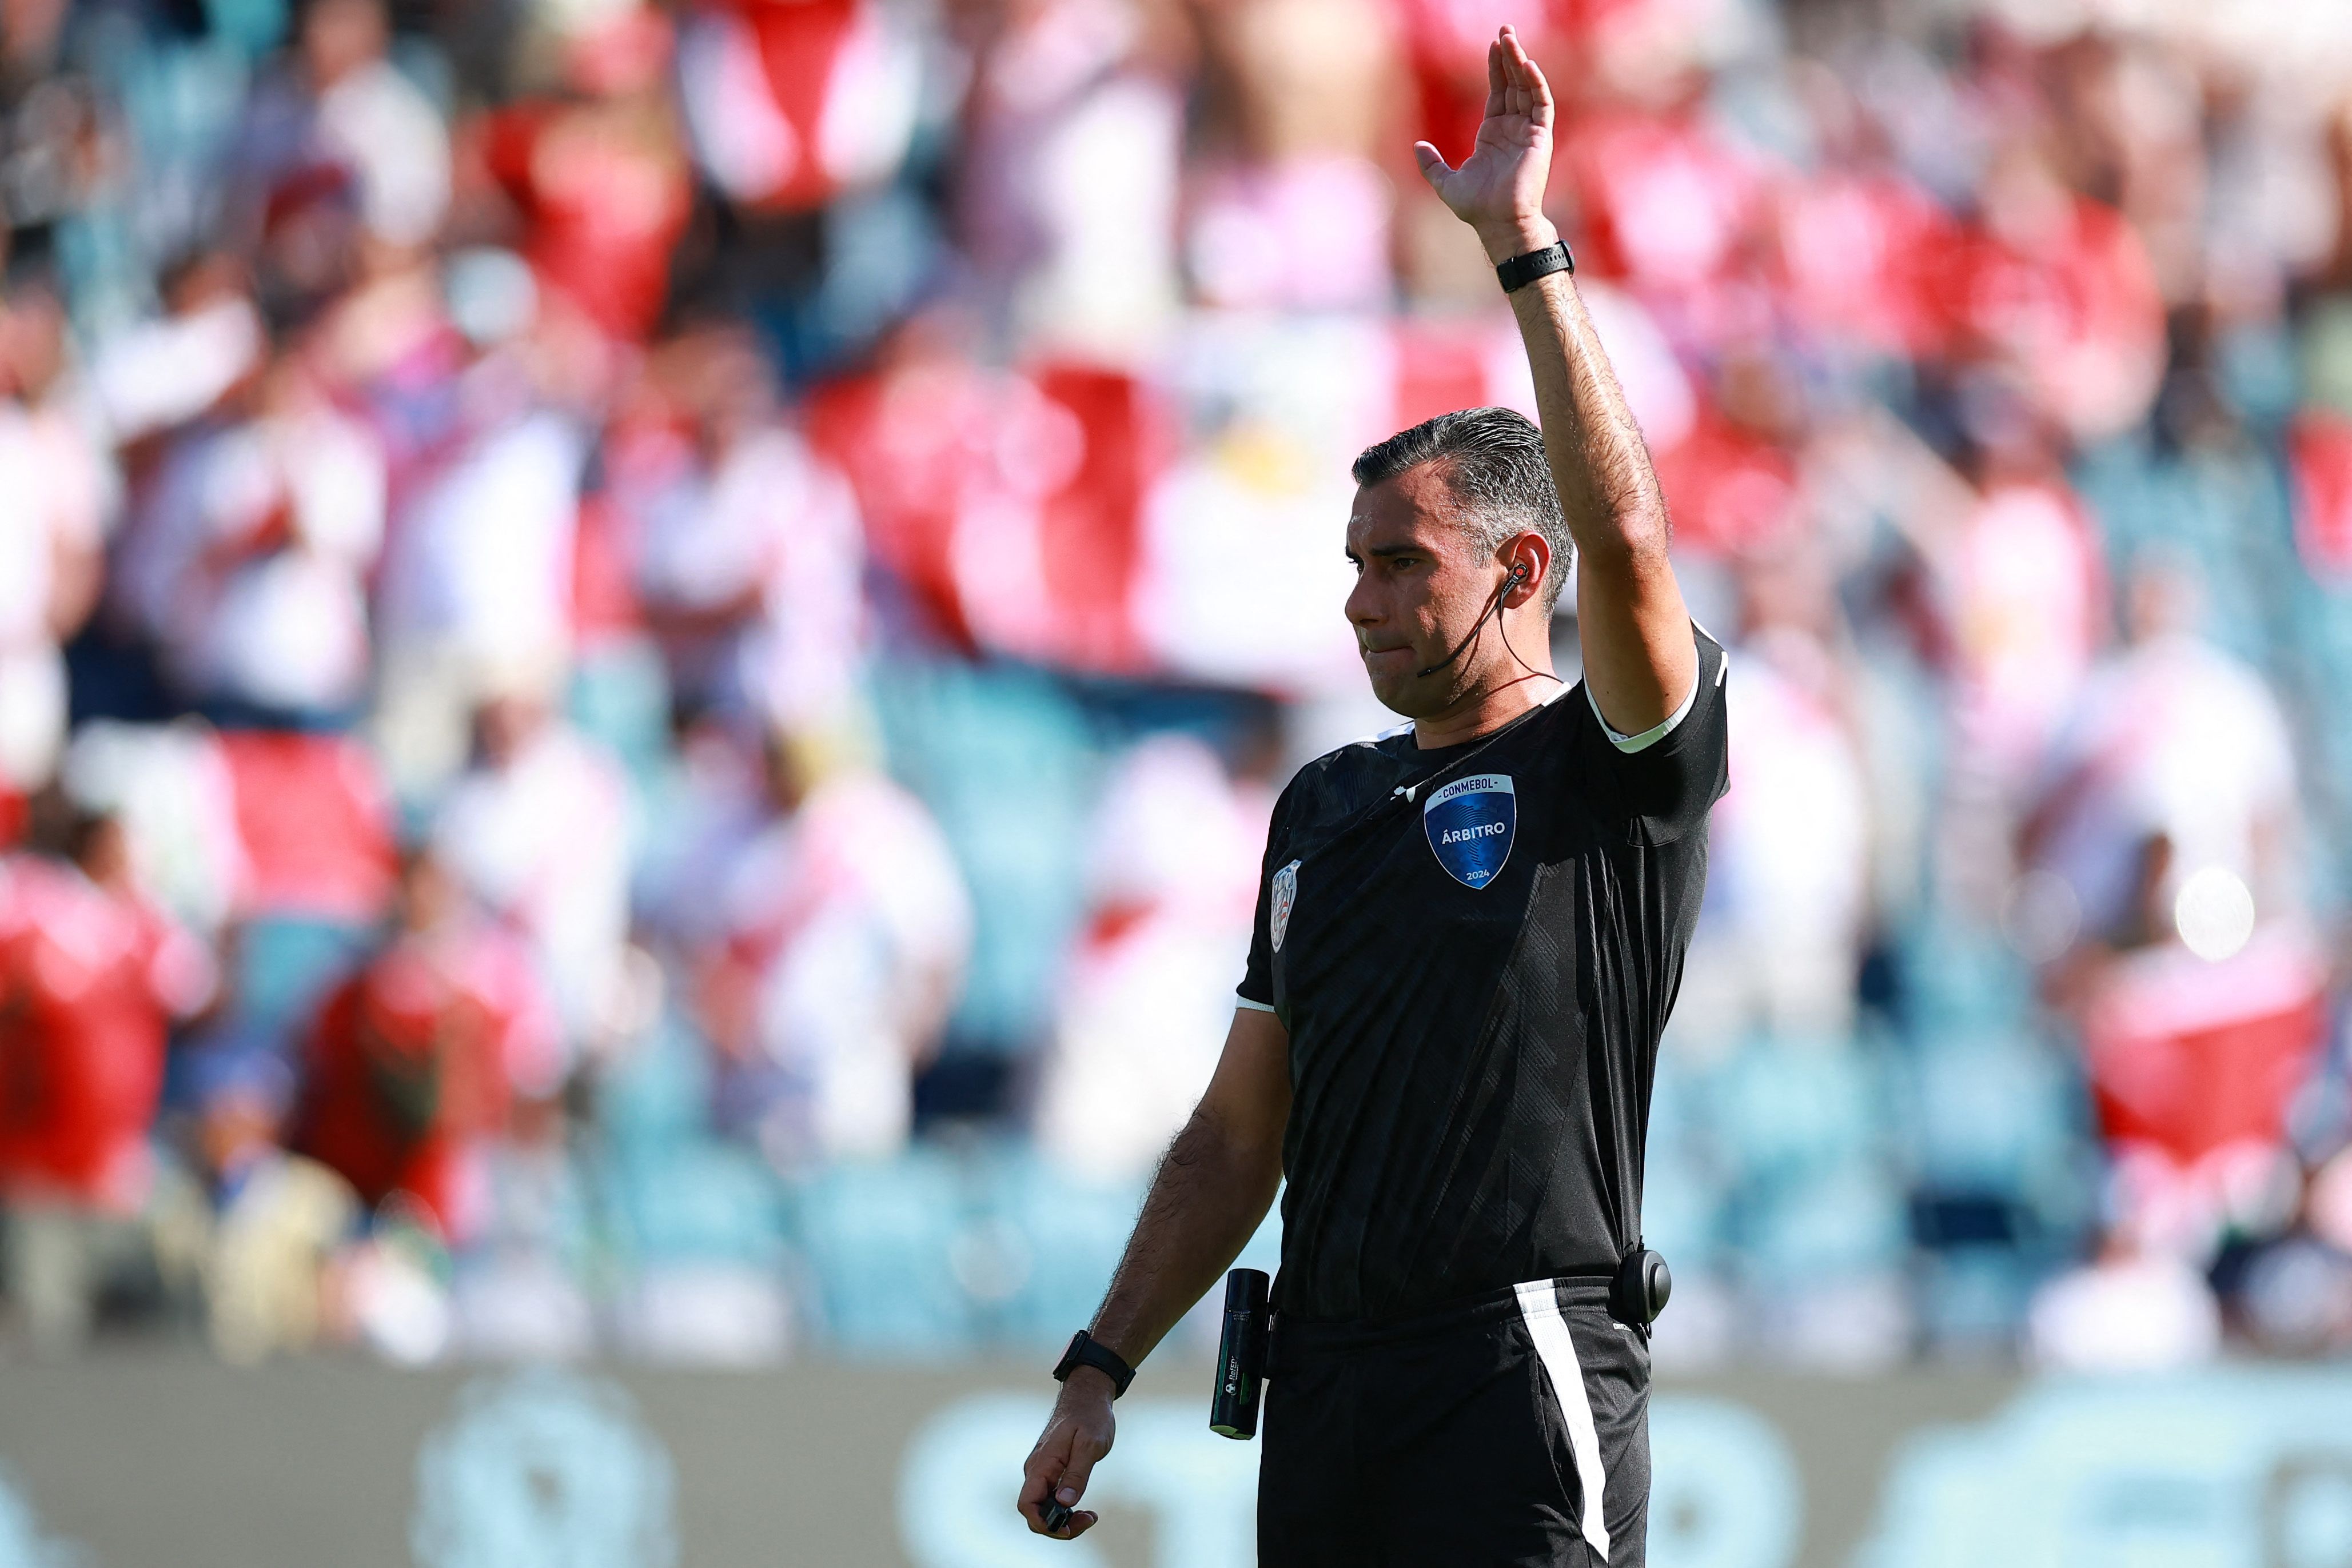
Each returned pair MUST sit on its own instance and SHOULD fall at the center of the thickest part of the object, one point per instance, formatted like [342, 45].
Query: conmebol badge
[1471, 823]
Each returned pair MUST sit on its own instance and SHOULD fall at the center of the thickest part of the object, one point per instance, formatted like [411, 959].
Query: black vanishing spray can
[1241, 1356]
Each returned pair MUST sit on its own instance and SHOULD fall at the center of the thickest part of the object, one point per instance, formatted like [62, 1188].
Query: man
[1468, 940]
[414, 1066]
[92, 974]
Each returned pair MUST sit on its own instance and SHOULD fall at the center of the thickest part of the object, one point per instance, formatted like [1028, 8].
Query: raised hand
[1499, 190]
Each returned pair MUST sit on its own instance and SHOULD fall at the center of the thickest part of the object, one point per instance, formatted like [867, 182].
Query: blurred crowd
[644, 647]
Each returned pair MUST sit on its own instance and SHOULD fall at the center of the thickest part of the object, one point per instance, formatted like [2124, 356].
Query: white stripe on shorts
[1539, 1304]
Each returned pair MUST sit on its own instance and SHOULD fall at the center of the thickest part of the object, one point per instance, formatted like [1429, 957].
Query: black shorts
[1478, 1435]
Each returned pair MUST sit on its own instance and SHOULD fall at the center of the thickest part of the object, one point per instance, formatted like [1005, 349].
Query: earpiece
[1518, 575]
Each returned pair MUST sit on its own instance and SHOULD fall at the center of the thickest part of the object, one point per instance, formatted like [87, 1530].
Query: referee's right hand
[1079, 1435]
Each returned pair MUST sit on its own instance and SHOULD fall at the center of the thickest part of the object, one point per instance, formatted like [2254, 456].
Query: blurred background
[644, 648]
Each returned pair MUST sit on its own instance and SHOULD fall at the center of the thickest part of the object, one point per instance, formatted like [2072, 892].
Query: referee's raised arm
[1640, 661]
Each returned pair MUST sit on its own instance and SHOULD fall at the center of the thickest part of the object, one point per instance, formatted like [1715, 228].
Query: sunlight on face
[1418, 581]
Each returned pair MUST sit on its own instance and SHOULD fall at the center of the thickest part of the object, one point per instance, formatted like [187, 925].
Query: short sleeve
[1666, 788]
[1256, 989]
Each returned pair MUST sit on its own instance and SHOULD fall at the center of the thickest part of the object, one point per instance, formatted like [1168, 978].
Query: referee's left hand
[1078, 1436]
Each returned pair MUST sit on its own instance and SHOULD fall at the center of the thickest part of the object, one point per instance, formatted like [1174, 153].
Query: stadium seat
[1972, 1298]
[703, 1201]
[879, 1238]
[1682, 1194]
[285, 965]
[1002, 757]
[1959, 976]
[1071, 1229]
[1786, 1107]
[1837, 1220]
[1682, 1208]
[658, 1097]
[620, 697]
[1992, 1113]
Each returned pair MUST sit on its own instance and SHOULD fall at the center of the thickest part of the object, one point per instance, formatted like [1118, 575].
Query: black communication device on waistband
[1638, 1294]
[1241, 1356]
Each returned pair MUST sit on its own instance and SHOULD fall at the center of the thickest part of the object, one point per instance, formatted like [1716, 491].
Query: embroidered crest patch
[1471, 823]
[1284, 895]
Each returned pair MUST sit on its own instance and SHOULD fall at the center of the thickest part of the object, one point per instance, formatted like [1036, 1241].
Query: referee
[1469, 935]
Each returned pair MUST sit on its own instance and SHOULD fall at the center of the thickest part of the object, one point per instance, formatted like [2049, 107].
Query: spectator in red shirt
[2054, 292]
[91, 973]
[415, 1061]
[598, 180]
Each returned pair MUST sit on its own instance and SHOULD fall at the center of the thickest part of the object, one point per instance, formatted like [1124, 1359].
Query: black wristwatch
[1521, 270]
[1088, 1351]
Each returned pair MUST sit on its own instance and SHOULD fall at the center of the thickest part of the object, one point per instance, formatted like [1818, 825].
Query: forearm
[1639, 659]
[1211, 1191]
[1608, 489]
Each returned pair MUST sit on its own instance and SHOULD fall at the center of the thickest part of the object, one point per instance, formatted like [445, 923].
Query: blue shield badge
[1470, 824]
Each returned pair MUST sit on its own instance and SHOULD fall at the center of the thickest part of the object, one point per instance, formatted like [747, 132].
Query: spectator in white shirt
[751, 554]
[846, 933]
[538, 829]
[247, 564]
[2126, 1310]
[1788, 898]
[346, 105]
[55, 488]
[478, 571]
[2174, 741]
[1150, 984]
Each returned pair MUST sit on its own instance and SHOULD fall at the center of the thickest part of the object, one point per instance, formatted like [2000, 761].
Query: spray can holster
[1241, 1356]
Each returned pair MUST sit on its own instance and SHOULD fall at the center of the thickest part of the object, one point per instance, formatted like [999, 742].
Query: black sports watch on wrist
[1521, 270]
[1088, 1351]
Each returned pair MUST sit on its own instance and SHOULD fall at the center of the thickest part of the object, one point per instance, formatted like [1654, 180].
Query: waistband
[1293, 1334]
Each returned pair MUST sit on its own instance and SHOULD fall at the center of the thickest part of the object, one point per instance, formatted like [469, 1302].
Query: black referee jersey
[1474, 949]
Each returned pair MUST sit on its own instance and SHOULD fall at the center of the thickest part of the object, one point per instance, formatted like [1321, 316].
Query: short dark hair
[1493, 463]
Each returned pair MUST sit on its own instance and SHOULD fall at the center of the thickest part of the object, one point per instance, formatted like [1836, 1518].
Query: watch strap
[1521, 270]
[1088, 1351]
